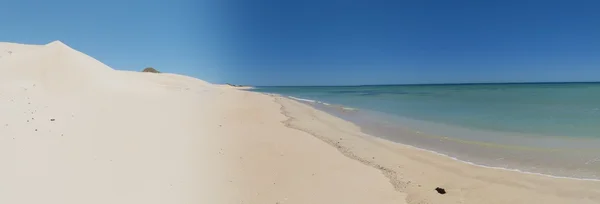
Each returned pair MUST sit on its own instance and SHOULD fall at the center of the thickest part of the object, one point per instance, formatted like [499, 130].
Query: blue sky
[328, 42]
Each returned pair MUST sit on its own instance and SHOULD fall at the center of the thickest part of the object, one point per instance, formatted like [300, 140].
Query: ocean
[546, 128]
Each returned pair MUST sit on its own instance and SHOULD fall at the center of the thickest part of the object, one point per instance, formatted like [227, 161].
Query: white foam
[302, 99]
[308, 100]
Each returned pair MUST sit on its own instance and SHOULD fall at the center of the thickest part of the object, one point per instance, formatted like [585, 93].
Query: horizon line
[421, 84]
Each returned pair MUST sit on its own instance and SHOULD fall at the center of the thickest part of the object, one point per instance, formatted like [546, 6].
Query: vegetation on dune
[234, 85]
[150, 69]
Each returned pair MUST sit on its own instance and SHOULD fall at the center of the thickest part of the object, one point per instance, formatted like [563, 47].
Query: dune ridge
[56, 66]
[74, 130]
[7, 48]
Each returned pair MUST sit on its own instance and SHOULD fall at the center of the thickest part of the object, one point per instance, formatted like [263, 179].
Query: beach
[416, 171]
[529, 127]
[74, 130]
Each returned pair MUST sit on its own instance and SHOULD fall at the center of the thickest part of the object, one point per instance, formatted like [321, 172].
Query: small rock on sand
[440, 190]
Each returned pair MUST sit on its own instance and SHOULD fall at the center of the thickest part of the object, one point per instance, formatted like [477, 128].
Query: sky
[326, 42]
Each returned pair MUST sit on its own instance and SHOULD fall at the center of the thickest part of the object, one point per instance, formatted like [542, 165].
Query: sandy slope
[7, 49]
[114, 138]
[73, 130]
[275, 164]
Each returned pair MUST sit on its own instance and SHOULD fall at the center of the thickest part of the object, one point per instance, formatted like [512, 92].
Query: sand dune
[55, 66]
[73, 130]
[7, 49]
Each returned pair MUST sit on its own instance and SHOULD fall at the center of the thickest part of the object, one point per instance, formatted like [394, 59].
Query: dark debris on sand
[440, 190]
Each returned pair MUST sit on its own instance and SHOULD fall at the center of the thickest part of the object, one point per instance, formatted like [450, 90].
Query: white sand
[73, 130]
[132, 137]
[7, 49]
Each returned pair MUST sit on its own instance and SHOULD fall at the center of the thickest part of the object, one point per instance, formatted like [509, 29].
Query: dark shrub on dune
[150, 69]
[234, 85]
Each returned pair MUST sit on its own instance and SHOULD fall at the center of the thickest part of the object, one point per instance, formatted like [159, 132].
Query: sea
[551, 129]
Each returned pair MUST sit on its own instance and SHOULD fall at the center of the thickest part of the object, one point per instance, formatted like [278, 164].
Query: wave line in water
[345, 108]
[308, 100]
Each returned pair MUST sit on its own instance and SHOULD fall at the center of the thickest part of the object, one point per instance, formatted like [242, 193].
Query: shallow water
[558, 109]
[543, 128]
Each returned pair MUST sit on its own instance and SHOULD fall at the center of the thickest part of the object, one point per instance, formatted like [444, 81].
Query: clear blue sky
[327, 42]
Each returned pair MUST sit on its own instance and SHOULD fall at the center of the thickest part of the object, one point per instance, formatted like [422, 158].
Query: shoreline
[390, 174]
[409, 184]
[313, 104]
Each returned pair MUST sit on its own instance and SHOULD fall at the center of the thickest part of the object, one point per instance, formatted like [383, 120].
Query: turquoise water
[550, 109]
[551, 128]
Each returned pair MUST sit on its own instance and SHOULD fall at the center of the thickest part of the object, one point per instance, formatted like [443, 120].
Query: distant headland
[236, 86]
